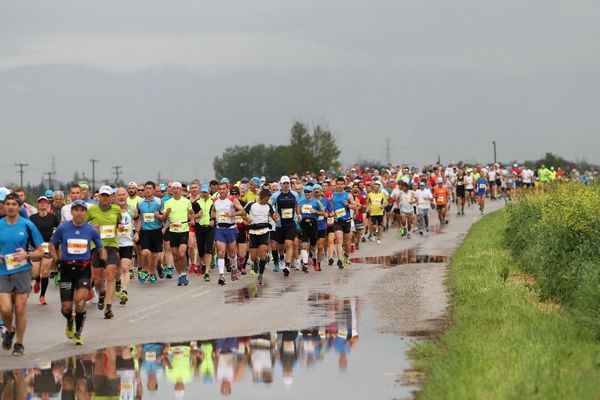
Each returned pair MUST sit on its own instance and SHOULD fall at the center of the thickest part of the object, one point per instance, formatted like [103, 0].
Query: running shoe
[77, 339]
[318, 267]
[18, 350]
[169, 272]
[160, 271]
[340, 264]
[153, 279]
[36, 287]
[182, 280]
[101, 301]
[142, 276]
[347, 260]
[7, 339]
[108, 314]
[305, 269]
[70, 329]
[276, 267]
[286, 271]
[378, 241]
[234, 274]
[56, 279]
[131, 274]
[330, 262]
[123, 297]
[206, 277]
[43, 300]
[221, 280]
[259, 281]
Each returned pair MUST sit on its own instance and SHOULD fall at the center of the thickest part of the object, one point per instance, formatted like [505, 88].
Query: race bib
[376, 202]
[107, 231]
[260, 231]
[11, 263]
[239, 219]
[77, 246]
[287, 213]
[222, 217]
[441, 198]
[342, 334]
[482, 186]
[288, 346]
[125, 231]
[340, 212]
[306, 209]
[148, 217]
[309, 346]
[330, 221]
[150, 356]
[46, 247]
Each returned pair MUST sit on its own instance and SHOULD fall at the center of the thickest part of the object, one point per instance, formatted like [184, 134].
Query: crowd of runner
[92, 244]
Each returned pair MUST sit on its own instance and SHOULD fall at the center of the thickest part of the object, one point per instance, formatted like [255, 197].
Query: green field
[503, 343]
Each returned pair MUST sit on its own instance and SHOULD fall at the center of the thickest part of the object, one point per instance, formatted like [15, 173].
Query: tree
[326, 151]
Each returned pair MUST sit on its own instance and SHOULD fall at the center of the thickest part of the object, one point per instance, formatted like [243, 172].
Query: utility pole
[494, 143]
[50, 173]
[117, 172]
[387, 150]
[158, 178]
[21, 171]
[93, 161]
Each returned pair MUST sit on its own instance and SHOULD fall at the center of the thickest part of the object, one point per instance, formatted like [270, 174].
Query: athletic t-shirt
[146, 212]
[178, 219]
[259, 217]
[133, 202]
[106, 222]
[19, 235]
[45, 224]
[481, 186]
[424, 198]
[307, 206]
[440, 193]
[376, 200]
[75, 241]
[285, 205]
[126, 231]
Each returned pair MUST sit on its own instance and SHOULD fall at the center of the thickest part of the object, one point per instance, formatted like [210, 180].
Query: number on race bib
[150, 356]
[340, 212]
[46, 247]
[148, 217]
[107, 231]
[11, 263]
[287, 213]
[261, 231]
[222, 217]
[306, 209]
[77, 246]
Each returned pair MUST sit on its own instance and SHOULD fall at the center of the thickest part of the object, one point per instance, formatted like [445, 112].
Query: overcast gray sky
[167, 85]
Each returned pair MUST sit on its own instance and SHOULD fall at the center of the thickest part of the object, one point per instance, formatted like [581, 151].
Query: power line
[21, 171]
[117, 172]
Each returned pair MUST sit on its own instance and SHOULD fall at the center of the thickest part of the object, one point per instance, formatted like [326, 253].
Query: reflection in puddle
[198, 368]
[253, 290]
[409, 256]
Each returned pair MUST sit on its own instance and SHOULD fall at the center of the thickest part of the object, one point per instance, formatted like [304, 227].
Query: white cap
[105, 190]
[132, 183]
[515, 165]
[176, 184]
[285, 179]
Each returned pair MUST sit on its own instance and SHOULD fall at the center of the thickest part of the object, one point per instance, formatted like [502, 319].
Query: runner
[440, 193]
[242, 235]
[74, 194]
[105, 217]
[309, 209]
[75, 238]
[225, 209]
[322, 224]
[178, 211]
[148, 232]
[482, 189]
[424, 202]
[17, 234]
[205, 229]
[460, 192]
[46, 224]
[126, 227]
[258, 214]
[342, 203]
[377, 202]
[407, 200]
[284, 202]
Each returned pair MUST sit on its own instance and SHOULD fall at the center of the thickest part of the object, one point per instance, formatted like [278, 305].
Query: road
[408, 299]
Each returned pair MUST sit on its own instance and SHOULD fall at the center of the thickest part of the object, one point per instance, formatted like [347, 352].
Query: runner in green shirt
[105, 217]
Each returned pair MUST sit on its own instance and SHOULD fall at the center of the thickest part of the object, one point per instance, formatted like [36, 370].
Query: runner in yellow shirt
[377, 201]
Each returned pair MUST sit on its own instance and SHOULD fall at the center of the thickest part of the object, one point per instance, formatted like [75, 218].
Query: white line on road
[201, 294]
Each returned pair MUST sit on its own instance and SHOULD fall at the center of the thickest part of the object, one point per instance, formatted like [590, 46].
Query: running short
[285, 233]
[177, 239]
[359, 225]
[498, 182]
[205, 239]
[388, 208]
[259, 240]
[377, 220]
[112, 259]
[19, 283]
[152, 240]
[242, 236]
[340, 225]
[126, 252]
[440, 207]
[397, 211]
[460, 191]
[309, 232]
[226, 235]
[105, 386]
[322, 234]
[74, 276]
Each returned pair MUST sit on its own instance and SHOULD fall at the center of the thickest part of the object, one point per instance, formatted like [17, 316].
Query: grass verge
[502, 343]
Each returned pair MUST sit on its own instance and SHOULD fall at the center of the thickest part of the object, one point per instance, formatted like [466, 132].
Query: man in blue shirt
[17, 236]
[74, 238]
[310, 210]
[150, 236]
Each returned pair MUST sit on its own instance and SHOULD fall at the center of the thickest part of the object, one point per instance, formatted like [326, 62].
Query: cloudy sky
[167, 85]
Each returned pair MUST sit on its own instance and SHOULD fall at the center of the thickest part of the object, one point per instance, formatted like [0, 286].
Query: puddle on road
[253, 291]
[409, 256]
[343, 357]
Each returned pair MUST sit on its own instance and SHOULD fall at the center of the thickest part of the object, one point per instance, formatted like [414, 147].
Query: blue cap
[49, 193]
[255, 180]
[79, 203]
[205, 188]
[308, 188]
[162, 187]
[224, 180]
[317, 186]
[440, 180]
